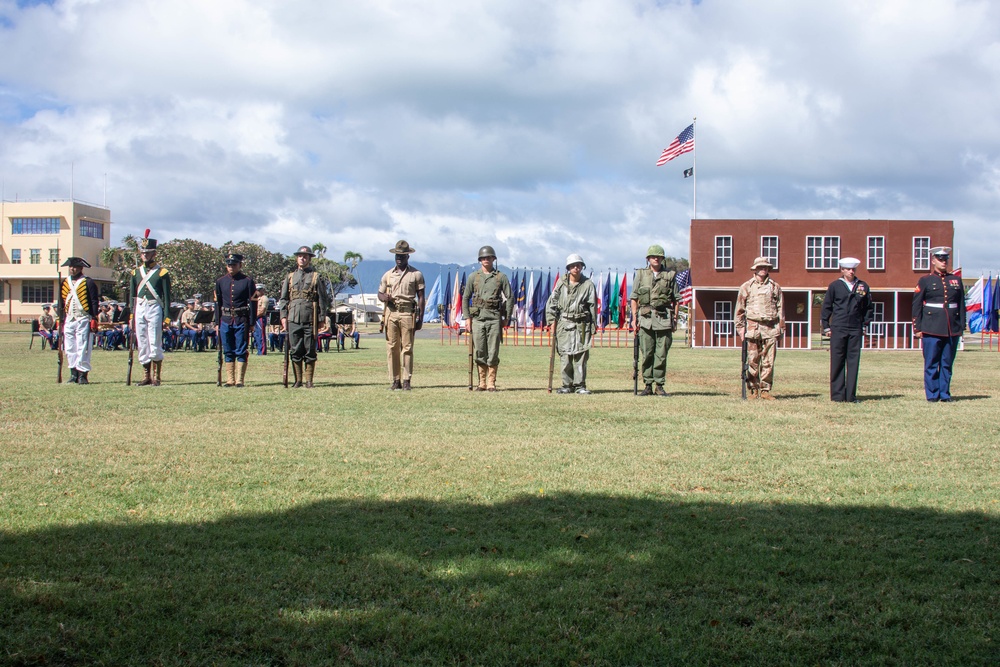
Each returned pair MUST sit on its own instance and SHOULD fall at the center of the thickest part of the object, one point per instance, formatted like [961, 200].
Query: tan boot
[147, 379]
[491, 378]
[230, 374]
[157, 365]
[241, 372]
[297, 370]
[310, 369]
[765, 395]
[482, 378]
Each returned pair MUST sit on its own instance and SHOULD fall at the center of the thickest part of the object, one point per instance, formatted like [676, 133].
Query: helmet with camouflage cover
[655, 251]
[487, 251]
[575, 259]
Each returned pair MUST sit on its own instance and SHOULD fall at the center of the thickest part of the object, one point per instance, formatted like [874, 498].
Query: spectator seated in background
[209, 337]
[348, 330]
[324, 335]
[276, 338]
[189, 330]
[48, 328]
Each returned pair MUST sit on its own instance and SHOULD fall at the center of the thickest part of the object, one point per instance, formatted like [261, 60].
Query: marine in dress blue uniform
[847, 312]
[233, 315]
[939, 320]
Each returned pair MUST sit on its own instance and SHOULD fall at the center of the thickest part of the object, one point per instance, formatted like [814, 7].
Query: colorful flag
[456, 301]
[684, 143]
[606, 302]
[623, 303]
[994, 307]
[987, 301]
[974, 306]
[529, 300]
[538, 302]
[615, 304]
[600, 299]
[446, 302]
[684, 286]
[519, 300]
[433, 299]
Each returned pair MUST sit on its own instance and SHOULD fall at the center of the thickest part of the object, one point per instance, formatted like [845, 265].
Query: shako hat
[147, 244]
[402, 248]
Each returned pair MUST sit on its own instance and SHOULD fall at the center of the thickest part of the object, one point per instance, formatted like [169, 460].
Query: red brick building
[805, 253]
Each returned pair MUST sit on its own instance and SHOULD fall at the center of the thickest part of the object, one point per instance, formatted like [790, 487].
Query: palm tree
[352, 259]
[319, 249]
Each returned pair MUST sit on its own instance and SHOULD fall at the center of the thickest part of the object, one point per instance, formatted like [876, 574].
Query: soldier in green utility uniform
[654, 300]
[487, 299]
[573, 307]
[305, 299]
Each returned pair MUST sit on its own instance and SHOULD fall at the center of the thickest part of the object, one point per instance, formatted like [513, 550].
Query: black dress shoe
[82, 378]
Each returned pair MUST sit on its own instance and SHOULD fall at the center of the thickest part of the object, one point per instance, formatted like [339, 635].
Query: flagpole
[694, 165]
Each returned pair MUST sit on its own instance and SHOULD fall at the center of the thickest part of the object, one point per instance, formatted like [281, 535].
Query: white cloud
[533, 126]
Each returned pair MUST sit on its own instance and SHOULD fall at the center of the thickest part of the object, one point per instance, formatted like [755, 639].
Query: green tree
[264, 266]
[122, 260]
[338, 275]
[319, 249]
[194, 267]
[677, 264]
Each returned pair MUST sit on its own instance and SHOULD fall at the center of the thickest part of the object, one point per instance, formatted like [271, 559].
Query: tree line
[194, 266]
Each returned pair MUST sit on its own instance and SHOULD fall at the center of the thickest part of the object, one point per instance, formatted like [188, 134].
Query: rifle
[745, 365]
[284, 371]
[61, 330]
[218, 347]
[552, 353]
[132, 344]
[635, 363]
[472, 353]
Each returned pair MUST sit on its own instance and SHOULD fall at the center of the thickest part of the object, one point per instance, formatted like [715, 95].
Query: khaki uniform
[400, 317]
[657, 297]
[487, 299]
[759, 312]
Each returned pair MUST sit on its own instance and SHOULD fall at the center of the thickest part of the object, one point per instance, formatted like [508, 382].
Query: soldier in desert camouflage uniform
[760, 319]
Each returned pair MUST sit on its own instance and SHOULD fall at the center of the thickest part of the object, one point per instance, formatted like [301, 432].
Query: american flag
[684, 143]
[684, 286]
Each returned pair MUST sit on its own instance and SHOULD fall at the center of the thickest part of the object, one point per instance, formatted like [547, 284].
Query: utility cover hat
[304, 250]
[849, 262]
[655, 251]
[761, 261]
[575, 259]
[402, 248]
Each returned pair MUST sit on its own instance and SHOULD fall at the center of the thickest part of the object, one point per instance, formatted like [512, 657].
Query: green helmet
[487, 251]
[655, 251]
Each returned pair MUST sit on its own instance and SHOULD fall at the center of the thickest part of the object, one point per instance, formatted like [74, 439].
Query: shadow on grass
[538, 580]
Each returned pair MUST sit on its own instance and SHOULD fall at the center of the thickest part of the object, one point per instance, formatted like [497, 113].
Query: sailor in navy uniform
[233, 316]
[939, 320]
[847, 312]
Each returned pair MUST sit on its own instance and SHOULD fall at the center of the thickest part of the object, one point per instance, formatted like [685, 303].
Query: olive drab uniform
[487, 299]
[305, 299]
[657, 296]
[573, 306]
[759, 313]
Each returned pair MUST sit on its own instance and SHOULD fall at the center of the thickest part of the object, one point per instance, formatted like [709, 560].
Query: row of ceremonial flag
[530, 291]
[982, 302]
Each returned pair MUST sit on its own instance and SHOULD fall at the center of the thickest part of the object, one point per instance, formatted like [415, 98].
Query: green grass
[188, 524]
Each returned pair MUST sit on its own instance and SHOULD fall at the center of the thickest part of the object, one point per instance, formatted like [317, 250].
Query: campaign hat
[402, 248]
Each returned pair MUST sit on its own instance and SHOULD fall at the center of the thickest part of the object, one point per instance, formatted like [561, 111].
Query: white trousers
[149, 331]
[77, 344]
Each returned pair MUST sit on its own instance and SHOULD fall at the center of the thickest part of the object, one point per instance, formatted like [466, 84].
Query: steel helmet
[655, 251]
[487, 251]
[575, 259]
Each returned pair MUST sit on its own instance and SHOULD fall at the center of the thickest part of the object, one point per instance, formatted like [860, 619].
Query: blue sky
[533, 127]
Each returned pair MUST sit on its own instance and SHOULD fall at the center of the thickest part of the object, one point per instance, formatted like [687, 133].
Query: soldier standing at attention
[847, 312]
[78, 303]
[760, 319]
[233, 293]
[654, 301]
[487, 300]
[149, 291]
[402, 291]
[573, 307]
[939, 319]
[305, 298]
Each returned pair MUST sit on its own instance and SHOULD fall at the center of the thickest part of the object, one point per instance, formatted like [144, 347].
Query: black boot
[82, 378]
[73, 375]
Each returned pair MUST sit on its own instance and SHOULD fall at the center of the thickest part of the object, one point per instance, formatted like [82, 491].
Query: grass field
[188, 524]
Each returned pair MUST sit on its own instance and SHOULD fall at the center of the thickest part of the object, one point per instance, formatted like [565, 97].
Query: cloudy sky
[533, 126]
